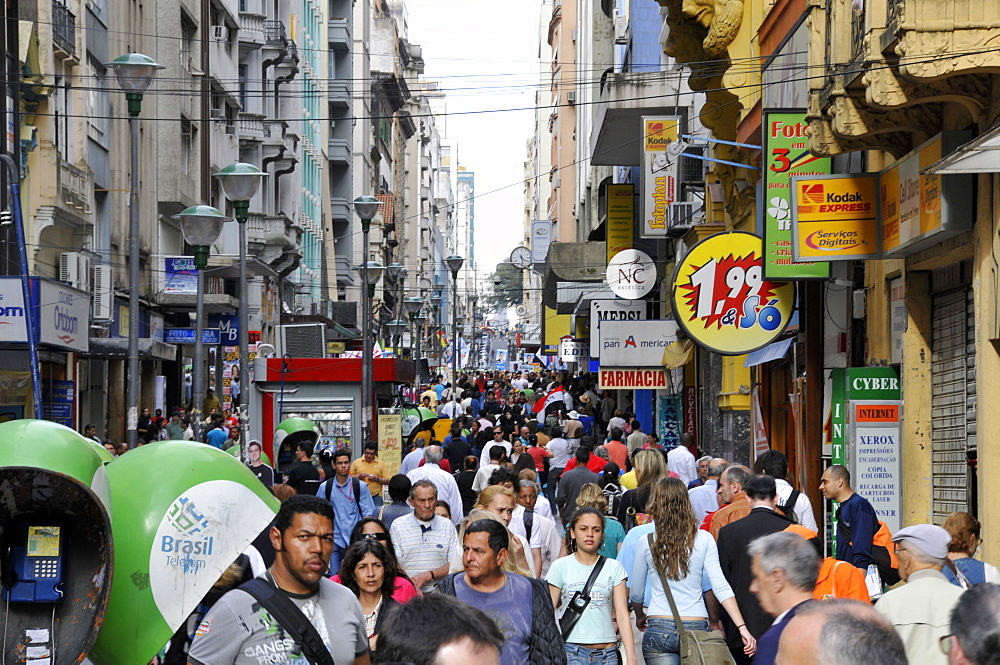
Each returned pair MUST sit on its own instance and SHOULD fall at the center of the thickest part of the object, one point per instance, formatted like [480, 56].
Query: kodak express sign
[835, 217]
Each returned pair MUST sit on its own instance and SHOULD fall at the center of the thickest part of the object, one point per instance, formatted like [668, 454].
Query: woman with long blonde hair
[496, 502]
[650, 467]
[682, 553]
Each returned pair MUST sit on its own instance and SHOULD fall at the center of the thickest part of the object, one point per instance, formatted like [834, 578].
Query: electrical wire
[753, 86]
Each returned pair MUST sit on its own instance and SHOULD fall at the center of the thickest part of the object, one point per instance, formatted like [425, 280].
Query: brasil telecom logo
[183, 515]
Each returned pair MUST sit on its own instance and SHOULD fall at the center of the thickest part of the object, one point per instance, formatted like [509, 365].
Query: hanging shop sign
[181, 275]
[572, 350]
[636, 343]
[659, 172]
[721, 299]
[669, 420]
[835, 217]
[612, 310]
[621, 207]
[541, 238]
[62, 314]
[631, 274]
[785, 144]
[632, 379]
[922, 210]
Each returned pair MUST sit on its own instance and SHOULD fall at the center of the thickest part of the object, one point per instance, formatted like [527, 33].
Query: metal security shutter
[953, 410]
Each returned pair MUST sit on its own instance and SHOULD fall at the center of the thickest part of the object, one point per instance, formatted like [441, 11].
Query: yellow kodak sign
[835, 218]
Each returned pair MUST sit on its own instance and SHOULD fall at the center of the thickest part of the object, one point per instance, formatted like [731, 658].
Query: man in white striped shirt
[424, 542]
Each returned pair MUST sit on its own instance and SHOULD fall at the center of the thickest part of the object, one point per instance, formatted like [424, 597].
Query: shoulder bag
[697, 647]
[578, 603]
[291, 619]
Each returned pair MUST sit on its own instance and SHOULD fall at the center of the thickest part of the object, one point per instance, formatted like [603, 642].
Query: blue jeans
[581, 655]
[661, 644]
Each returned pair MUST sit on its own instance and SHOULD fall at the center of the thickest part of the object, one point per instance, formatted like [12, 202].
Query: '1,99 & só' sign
[721, 299]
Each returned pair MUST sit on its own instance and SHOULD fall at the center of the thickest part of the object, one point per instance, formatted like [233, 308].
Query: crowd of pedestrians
[548, 526]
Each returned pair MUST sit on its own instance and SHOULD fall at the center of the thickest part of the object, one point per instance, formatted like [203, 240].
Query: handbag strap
[291, 619]
[593, 576]
[670, 596]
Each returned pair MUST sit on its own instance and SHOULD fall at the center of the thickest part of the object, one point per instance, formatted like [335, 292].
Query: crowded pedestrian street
[558, 332]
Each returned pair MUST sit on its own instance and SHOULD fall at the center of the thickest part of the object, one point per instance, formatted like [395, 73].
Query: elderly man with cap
[920, 611]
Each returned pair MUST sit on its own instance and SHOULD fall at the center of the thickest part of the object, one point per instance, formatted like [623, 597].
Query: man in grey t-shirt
[238, 631]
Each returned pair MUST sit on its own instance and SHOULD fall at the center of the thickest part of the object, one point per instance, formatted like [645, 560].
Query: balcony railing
[274, 32]
[63, 27]
[252, 125]
[857, 35]
[251, 23]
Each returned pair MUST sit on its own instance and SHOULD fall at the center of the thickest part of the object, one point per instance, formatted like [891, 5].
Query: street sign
[189, 336]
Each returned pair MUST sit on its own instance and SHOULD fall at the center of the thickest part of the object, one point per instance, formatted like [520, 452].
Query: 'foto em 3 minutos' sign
[785, 144]
[721, 299]
[835, 217]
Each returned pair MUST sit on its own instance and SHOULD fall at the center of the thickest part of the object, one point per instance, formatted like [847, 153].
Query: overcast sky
[485, 56]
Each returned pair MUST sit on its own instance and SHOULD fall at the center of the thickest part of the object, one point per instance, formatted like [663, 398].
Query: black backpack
[357, 492]
[788, 507]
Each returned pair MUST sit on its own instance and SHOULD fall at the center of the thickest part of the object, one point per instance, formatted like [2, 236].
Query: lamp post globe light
[200, 226]
[240, 182]
[135, 73]
[454, 264]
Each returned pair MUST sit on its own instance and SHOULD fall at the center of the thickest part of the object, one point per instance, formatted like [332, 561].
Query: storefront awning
[678, 354]
[980, 155]
[775, 351]
[117, 347]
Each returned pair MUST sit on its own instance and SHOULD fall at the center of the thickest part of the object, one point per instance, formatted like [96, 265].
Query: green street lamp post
[366, 207]
[201, 226]
[240, 183]
[454, 264]
[135, 73]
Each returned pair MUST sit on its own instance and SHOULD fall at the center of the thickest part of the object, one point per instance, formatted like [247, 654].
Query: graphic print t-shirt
[510, 607]
[594, 627]
[238, 630]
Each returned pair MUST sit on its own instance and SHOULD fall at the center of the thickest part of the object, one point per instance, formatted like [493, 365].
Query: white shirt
[484, 459]
[682, 462]
[703, 499]
[451, 410]
[803, 507]
[482, 479]
[447, 488]
[520, 384]
[411, 461]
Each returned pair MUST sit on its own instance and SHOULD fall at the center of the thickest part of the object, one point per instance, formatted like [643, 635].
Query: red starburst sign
[722, 300]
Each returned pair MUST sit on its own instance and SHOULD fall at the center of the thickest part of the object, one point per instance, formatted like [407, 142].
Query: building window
[98, 103]
[189, 139]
